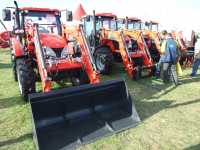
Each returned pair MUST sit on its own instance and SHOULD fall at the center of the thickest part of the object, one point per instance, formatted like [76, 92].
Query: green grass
[170, 115]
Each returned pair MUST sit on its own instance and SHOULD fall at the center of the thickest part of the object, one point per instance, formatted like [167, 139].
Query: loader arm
[86, 56]
[157, 40]
[46, 82]
[119, 35]
[142, 45]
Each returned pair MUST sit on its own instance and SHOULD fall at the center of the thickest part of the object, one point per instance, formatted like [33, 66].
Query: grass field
[170, 115]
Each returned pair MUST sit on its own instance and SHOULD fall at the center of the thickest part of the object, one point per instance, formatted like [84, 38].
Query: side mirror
[69, 16]
[6, 15]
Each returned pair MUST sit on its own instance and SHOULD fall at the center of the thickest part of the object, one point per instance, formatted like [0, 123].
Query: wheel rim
[101, 61]
[19, 83]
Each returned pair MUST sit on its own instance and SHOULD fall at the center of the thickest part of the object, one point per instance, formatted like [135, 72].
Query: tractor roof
[154, 22]
[134, 19]
[109, 15]
[39, 9]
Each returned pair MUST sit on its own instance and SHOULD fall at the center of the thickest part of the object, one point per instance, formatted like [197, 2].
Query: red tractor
[111, 44]
[67, 117]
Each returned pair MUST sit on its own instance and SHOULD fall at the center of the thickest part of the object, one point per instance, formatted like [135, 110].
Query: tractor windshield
[106, 22]
[145, 26]
[154, 27]
[134, 25]
[121, 24]
[48, 22]
[109, 23]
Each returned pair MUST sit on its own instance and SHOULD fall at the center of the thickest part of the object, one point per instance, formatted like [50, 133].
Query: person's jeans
[158, 65]
[169, 73]
[195, 66]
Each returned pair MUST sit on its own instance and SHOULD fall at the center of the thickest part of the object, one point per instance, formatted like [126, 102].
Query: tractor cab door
[89, 29]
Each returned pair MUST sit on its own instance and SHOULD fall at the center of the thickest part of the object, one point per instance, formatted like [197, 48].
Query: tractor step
[69, 117]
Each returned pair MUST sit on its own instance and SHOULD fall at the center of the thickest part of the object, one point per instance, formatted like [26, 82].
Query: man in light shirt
[196, 62]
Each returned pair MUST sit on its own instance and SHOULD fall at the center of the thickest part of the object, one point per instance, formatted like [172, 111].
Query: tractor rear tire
[25, 76]
[14, 73]
[103, 60]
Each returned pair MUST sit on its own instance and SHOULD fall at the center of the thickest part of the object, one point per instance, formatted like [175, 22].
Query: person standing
[162, 51]
[196, 62]
[169, 59]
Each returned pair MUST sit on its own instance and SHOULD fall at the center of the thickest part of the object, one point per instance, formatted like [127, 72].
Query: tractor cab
[130, 23]
[48, 20]
[48, 24]
[106, 20]
[98, 22]
[95, 26]
[151, 25]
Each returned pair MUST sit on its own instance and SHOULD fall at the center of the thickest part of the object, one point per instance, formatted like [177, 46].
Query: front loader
[111, 43]
[64, 117]
[132, 28]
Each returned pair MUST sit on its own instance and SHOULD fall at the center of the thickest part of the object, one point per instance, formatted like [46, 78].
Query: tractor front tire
[25, 76]
[103, 60]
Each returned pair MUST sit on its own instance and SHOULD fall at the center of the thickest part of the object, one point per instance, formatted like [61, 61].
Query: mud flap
[69, 117]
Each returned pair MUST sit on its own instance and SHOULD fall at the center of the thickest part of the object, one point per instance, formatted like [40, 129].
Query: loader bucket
[69, 117]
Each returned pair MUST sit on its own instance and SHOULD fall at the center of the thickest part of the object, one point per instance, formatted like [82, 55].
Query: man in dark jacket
[169, 60]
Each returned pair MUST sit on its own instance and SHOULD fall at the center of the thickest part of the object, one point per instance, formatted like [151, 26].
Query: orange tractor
[152, 39]
[133, 26]
[68, 117]
[109, 44]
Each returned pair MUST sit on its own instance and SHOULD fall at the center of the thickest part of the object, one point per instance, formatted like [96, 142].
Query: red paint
[39, 9]
[106, 15]
[4, 39]
[52, 40]
[17, 47]
[63, 64]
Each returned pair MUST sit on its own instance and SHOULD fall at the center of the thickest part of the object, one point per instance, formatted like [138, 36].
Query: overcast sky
[172, 14]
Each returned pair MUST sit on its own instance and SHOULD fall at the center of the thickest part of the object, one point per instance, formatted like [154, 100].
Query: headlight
[50, 52]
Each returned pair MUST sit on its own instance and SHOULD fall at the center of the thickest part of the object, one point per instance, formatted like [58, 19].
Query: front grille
[58, 51]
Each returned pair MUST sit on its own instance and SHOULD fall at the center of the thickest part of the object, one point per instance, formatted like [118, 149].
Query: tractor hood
[52, 40]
